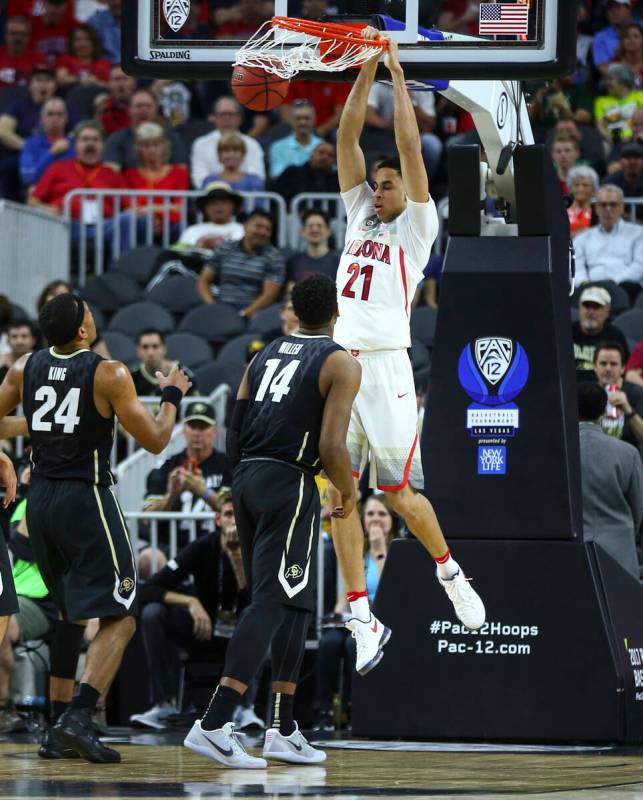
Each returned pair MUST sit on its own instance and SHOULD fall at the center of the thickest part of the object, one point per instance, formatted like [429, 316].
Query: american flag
[498, 19]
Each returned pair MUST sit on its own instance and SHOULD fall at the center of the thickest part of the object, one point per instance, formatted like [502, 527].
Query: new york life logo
[493, 371]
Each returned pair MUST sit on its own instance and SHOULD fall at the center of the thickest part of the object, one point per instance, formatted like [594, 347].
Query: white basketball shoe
[370, 637]
[293, 749]
[222, 745]
[468, 606]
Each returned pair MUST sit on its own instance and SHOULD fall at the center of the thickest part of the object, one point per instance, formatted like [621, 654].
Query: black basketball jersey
[285, 408]
[69, 438]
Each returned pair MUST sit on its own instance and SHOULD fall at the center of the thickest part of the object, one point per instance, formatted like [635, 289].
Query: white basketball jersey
[380, 268]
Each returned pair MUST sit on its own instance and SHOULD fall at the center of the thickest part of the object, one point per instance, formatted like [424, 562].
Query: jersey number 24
[66, 413]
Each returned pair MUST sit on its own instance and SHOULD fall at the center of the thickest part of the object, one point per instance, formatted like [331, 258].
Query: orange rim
[332, 30]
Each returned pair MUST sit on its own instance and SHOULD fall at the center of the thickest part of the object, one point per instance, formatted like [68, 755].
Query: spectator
[379, 116]
[630, 176]
[114, 115]
[179, 615]
[335, 644]
[82, 62]
[152, 147]
[590, 142]
[327, 98]
[52, 145]
[251, 15]
[318, 174]
[219, 205]
[634, 366]
[295, 149]
[86, 171]
[50, 30]
[17, 58]
[623, 418]
[250, 272]
[612, 484]
[226, 117]
[613, 112]
[592, 329]
[119, 147]
[608, 40]
[583, 184]
[613, 249]
[637, 136]
[107, 23]
[191, 480]
[317, 257]
[152, 352]
[37, 613]
[565, 153]
[22, 339]
[562, 99]
[20, 120]
[54, 288]
[232, 152]
[630, 51]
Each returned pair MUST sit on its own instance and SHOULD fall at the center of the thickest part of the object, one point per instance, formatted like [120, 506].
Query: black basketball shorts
[277, 510]
[8, 599]
[82, 547]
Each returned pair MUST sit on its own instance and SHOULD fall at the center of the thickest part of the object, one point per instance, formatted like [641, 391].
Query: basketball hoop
[326, 47]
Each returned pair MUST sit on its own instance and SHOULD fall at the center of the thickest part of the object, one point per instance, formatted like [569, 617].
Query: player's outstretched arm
[407, 134]
[114, 388]
[341, 375]
[11, 395]
[351, 166]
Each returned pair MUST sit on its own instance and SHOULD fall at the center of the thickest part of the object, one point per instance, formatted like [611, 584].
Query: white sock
[448, 569]
[360, 609]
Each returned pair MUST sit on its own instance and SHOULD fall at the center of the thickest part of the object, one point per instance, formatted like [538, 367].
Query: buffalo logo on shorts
[126, 586]
[294, 571]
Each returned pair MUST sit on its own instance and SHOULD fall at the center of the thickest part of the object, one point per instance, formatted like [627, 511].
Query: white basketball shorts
[383, 426]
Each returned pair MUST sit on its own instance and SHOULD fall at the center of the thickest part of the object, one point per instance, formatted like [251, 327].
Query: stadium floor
[158, 767]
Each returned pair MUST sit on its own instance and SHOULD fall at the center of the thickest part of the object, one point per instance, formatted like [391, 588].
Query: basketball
[257, 89]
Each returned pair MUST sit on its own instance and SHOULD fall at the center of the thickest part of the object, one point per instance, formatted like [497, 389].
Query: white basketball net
[285, 53]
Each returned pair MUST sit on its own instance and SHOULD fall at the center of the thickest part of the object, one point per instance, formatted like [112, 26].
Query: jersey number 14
[277, 385]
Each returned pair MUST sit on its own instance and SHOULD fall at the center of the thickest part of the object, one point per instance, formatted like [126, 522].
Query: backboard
[442, 39]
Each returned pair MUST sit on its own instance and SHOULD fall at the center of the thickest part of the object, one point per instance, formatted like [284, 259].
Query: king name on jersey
[57, 373]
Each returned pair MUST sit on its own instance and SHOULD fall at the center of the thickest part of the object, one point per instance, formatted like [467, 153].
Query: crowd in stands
[70, 118]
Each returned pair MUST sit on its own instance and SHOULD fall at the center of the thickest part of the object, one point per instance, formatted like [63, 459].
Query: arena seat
[189, 349]
[215, 323]
[139, 263]
[121, 347]
[420, 357]
[80, 100]
[235, 351]
[267, 321]
[631, 326]
[423, 321]
[99, 317]
[111, 292]
[177, 293]
[639, 301]
[135, 318]
[18, 312]
[209, 376]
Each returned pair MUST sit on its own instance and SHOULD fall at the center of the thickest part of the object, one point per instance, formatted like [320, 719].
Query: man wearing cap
[613, 249]
[219, 206]
[593, 328]
[250, 272]
[191, 480]
[18, 121]
[152, 353]
[607, 41]
[204, 158]
[630, 176]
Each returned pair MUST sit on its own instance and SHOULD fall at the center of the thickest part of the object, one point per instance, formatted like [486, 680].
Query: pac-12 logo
[490, 362]
[176, 13]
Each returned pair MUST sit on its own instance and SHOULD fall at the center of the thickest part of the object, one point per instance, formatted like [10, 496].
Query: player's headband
[80, 313]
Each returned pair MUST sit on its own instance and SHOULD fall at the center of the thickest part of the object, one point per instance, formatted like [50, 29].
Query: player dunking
[290, 419]
[70, 396]
[389, 235]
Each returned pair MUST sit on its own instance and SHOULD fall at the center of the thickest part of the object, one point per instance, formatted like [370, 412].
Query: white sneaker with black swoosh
[370, 637]
[222, 745]
[294, 749]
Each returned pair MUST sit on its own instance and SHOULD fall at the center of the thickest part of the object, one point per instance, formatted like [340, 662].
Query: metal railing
[633, 203]
[132, 471]
[132, 225]
[183, 529]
